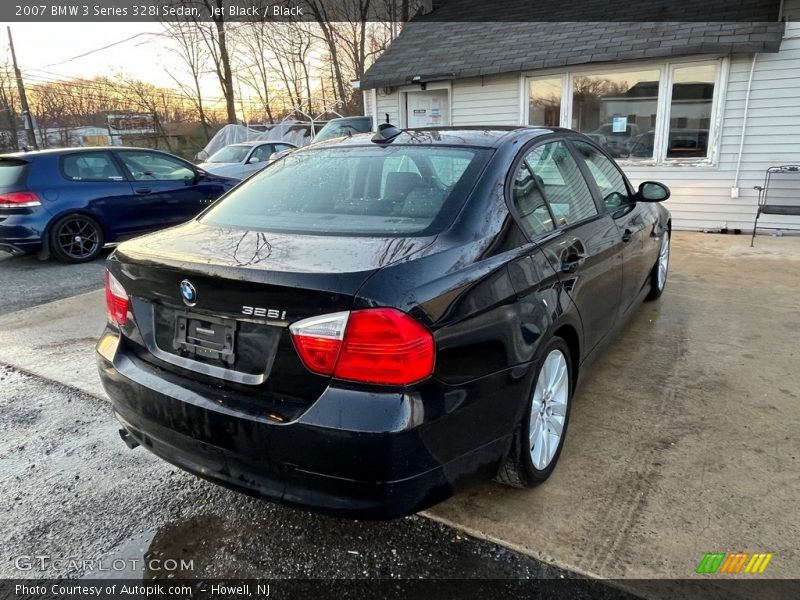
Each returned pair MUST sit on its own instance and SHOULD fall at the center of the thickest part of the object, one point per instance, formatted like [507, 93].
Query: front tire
[540, 435]
[658, 276]
[76, 238]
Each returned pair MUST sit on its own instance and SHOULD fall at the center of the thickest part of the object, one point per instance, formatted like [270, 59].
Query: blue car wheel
[76, 239]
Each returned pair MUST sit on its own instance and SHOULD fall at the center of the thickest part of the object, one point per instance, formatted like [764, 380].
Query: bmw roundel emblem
[188, 293]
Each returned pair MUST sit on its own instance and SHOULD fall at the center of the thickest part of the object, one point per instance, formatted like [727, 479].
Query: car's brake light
[318, 341]
[377, 345]
[19, 200]
[116, 300]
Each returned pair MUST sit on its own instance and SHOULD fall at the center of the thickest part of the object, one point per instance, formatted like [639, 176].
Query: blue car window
[94, 166]
[152, 166]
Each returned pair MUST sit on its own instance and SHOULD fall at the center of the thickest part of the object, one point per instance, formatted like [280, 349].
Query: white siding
[479, 101]
[388, 103]
[486, 101]
[701, 197]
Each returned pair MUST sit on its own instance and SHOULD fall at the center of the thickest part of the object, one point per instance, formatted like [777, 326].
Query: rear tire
[658, 276]
[539, 436]
[76, 238]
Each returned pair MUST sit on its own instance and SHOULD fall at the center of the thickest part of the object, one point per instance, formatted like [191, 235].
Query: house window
[690, 111]
[656, 113]
[617, 110]
[544, 101]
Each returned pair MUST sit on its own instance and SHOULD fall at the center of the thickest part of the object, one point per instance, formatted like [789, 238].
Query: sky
[51, 46]
[48, 51]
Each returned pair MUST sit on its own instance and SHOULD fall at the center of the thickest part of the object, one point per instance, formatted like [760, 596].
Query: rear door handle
[626, 237]
[572, 262]
[143, 191]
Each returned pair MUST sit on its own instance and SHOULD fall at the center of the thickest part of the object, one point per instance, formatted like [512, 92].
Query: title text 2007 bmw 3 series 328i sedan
[373, 323]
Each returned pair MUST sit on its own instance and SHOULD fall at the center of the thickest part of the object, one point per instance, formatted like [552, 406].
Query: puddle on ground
[178, 550]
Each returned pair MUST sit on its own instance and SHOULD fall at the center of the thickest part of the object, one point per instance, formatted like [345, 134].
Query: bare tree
[194, 55]
[9, 109]
[292, 44]
[214, 34]
[257, 70]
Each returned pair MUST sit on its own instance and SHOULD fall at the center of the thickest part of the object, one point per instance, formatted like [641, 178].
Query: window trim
[509, 186]
[526, 83]
[594, 187]
[663, 109]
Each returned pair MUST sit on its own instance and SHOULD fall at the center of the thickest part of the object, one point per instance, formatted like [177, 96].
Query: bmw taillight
[116, 300]
[19, 200]
[375, 345]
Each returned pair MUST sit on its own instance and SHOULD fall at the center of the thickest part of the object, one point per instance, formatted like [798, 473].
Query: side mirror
[252, 160]
[199, 175]
[652, 191]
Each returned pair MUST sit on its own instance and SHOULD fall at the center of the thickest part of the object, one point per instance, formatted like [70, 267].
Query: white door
[427, 109]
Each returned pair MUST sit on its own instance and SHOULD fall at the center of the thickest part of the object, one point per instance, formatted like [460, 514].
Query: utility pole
[23, 99]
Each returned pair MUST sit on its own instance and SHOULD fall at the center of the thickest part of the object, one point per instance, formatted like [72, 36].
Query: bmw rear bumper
[395, 462]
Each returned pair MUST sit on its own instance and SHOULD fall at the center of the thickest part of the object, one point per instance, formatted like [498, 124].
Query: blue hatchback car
[71, 202]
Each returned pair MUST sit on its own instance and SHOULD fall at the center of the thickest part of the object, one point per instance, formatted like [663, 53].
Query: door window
[528, 198]
[152, 166]
[606, 175]
[565, 190]
[262, 152]
[95, 166]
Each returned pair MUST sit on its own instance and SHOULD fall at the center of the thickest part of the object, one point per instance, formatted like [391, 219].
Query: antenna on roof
[386, 133]
[387, 117]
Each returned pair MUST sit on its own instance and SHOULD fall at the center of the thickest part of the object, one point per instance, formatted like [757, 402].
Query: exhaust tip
[128, 439]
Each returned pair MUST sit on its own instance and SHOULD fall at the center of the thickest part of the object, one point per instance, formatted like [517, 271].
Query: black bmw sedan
[372, 323]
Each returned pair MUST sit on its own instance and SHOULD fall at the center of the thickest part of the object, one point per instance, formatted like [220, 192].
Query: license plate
[206, 337]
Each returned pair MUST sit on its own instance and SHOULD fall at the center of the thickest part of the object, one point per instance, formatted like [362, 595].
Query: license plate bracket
[204, 337]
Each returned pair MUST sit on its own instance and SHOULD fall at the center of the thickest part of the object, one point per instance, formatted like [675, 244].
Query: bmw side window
[528, 198]
[97, 166]
[149, 166]
[606, 175]
[565, 189]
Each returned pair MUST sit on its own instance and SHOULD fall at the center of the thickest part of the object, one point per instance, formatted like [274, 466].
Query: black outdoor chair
[765, 207]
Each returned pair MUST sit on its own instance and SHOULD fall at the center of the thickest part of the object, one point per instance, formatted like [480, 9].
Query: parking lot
[682, 441]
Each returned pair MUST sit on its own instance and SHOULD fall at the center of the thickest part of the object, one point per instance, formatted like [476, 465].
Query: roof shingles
[457, 50]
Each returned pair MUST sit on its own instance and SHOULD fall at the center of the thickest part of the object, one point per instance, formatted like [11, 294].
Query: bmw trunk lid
[214, 304]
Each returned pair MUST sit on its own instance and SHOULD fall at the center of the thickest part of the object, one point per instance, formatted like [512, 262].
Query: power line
[74, 58]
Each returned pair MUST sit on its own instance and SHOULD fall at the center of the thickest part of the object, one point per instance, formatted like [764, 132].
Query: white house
[705, 107]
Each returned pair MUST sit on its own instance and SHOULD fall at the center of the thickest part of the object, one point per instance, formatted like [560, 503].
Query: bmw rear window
[362, 190]
[12, 171]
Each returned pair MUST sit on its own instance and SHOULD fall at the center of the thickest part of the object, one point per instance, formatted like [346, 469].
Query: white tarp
[294, 132]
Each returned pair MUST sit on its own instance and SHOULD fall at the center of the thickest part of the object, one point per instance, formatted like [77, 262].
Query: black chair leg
[752, 239]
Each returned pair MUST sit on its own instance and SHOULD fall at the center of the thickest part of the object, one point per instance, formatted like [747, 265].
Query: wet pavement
[26, 281]
[72, 490]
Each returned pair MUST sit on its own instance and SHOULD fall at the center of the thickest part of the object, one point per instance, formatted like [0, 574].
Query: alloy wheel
[549, 409]
[663, 262]
[78, 238]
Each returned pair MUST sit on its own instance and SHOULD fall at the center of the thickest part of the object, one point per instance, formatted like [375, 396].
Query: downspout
[374, 109]
[735, 189]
